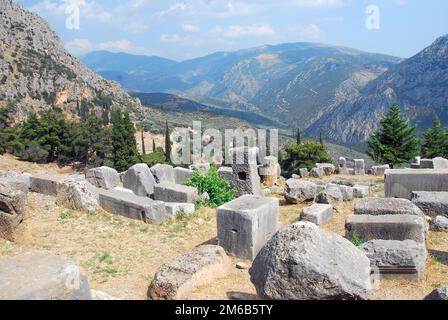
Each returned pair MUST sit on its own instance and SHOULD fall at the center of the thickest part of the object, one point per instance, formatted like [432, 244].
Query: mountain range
[37, 73]
[341, 92]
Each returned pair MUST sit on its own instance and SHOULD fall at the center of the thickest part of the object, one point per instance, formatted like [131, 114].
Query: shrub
[356, 239]
[216, 186]
[35, 153]
[155, 157]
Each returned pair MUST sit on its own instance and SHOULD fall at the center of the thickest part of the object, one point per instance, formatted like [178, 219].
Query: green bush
[155, 158]
[216, 186]
[357, 240]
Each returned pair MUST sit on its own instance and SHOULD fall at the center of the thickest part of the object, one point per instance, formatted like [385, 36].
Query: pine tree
[153, 145]
[299, 137]
[124, 146]
[394, 143]
[321, 139]
[435, 143]
[167, 143]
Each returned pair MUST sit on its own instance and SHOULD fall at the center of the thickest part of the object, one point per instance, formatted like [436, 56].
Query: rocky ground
[121, 256]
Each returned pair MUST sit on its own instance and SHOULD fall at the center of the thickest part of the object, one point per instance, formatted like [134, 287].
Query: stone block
[400, 183]
[200, 267]
[329, 169]
[103, 177]
[396, 259]
[140, 180]
[163, 173]
[386, 206]
[432, 204]
[132, 206]
[380, 170]
[342, 166]
[170, 192]
[360, 168]
[318, 214]
[246, 224]
[181, 175]
[173, 209]
[37, 276]
[47, 184]
[360, 192]
[203, 168]
[387, 227]
[298, 191]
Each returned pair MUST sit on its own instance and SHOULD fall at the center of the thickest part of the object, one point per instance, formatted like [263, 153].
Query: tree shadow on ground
[439, 256]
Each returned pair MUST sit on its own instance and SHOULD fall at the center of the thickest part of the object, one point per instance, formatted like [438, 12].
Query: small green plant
[320, 189]
[65, 215]
[216, 186]
[181, 215]
[357, 240]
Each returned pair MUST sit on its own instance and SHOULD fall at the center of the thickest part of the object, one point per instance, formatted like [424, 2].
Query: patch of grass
[106, 258]
[357, 240]
[65, 215]
[320, 189]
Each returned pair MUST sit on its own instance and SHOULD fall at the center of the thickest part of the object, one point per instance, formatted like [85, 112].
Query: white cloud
[237, 31]
[79, 47]
[189, 27]
[310, 32]
[88, 9]
[319, 3]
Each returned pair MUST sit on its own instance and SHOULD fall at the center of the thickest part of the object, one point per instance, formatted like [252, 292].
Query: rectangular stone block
[432, 204]
[386, 206]
[246, 224]
[181, 175]
[361, 191]
[48, 184]
[318, 214]
[401, 183]
[132, 206]
[173, 209]
[396, 259]
[170, 192]
[387, 227]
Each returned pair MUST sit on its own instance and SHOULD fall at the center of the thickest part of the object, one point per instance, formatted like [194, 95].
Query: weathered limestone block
[360, 192]
[387, 227]
[246, 224]
[400, 183]
[317, 173]
[297, 191]
[269, 171]
[396, 259]
[331, 195]
[103, 177]
[386, 206]
[203, 168]
[132, 206]
[304, 173]
[329, 169]
[380, 170]
[426, 164]
[439, 224]
[140, 180]
[12, 206]
[433, 204]
[163, 173]
[440, 163]
[201, 266]
[77, 195]
[347, 192]
[170, 192]
[47, 184]
[173, 209]
[360, 168]
[318, 214]
[342, 166]
[17, 181]
[245, 171]
[302, 262]
[37, 276]
[181, 175]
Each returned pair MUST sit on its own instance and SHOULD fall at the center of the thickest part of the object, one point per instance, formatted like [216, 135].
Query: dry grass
[120, 256]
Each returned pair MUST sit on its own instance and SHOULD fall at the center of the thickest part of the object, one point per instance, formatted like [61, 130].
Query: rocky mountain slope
[419, 84]
[36, 72]
[293, 83]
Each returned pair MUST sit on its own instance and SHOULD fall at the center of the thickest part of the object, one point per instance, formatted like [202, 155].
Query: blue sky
[181, 30]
